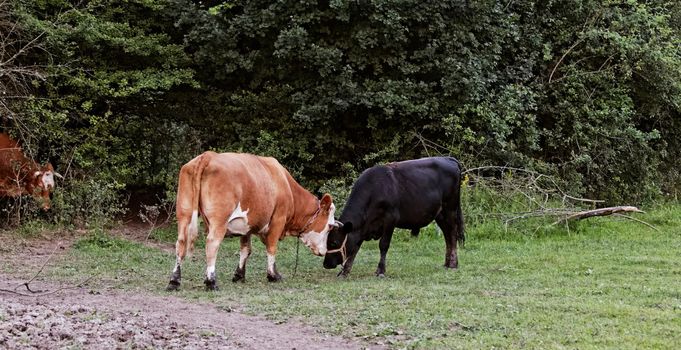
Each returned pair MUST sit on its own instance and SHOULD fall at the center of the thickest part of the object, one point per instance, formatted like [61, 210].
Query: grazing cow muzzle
[334, 257]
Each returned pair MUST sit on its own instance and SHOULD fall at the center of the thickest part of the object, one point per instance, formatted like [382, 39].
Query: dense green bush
[589, 91]
[87, 203]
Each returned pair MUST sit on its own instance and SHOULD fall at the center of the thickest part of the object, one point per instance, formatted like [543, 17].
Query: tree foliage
[587, 90]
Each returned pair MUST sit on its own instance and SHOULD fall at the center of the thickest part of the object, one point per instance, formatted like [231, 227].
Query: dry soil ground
[106, 318]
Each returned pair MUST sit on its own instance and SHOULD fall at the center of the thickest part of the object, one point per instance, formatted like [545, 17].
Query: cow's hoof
[451, 266]
[274, 278]
[239, 278]
[211, 285]
[380, 272]
[342, 274]
[173, 286]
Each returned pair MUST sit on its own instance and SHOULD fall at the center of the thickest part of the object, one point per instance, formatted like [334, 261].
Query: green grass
[605, 283]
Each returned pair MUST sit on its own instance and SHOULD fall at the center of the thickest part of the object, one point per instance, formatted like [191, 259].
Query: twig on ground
[39, 271]
[48, 292]
[637, 220]
[38, 293]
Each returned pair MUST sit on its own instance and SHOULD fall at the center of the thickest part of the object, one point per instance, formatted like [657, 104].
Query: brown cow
[242, 195]
[20, 175]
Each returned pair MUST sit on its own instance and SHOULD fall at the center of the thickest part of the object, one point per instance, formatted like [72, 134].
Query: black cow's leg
[347, 267]
[447, 226]
[383, 245]
[244, 253]
[347, 264]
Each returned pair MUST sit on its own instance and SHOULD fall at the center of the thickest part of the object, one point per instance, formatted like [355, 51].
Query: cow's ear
[326, 201]
[347, 227]
[37, 174]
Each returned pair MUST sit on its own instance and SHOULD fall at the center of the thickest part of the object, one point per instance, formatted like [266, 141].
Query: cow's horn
[57, 175]
[337, 224]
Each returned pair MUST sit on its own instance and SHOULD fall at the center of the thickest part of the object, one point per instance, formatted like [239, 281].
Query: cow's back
[409, 193]
[442, 173]
[13, 166]
[254, 184]
[7, 142]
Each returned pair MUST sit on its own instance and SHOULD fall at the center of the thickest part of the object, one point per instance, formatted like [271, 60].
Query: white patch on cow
[270, 264]
[316, 241]
[238, 222]
[48, 180]
[244, 252]
[210, 271]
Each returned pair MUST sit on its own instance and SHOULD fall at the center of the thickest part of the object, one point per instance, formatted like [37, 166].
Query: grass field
[604, 283]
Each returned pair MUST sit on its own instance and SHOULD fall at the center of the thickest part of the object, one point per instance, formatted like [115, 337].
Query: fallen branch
[37, 293]
[637, 220]
[38, 273]
[49, 292]
[598, 212]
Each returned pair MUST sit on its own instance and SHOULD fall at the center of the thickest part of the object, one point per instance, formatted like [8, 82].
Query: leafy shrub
[90, 202]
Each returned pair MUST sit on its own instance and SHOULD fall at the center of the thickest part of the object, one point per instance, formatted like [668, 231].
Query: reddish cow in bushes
[20, 175]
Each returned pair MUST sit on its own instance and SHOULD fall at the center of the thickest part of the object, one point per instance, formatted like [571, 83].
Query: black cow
[409, 195]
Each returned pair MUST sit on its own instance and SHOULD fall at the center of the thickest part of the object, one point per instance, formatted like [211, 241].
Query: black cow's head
[343, 242]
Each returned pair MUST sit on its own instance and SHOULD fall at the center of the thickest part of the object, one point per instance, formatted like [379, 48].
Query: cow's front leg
[213, 240]
[271, 241]
[244, 253]
[347, 267]
[272, 273]
[383, 245]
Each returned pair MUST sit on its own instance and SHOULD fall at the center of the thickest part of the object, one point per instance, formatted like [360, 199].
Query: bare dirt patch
[110, 318]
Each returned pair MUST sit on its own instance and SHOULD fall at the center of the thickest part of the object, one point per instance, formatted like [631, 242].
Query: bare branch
[15, 44]
[39, 270]
[563, 57]
[637, 220]
[598, 212]
[82, 283]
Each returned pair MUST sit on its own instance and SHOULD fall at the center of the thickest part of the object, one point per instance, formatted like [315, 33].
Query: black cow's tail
[458, 219]
[460, 229]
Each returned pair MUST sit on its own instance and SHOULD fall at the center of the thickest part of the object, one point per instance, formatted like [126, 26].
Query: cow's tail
[460, 229]
[193, 230]
[188, 198]
[458, 219]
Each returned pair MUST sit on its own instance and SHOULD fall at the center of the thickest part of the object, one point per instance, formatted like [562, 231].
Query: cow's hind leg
[181, 247]
[244, 253]
[449, 228]
[176, 275]
[215, 235]
[384, 245]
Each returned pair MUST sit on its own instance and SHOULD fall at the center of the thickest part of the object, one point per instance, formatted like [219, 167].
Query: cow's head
[344, 242]
[43, 184]
[315, 233]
